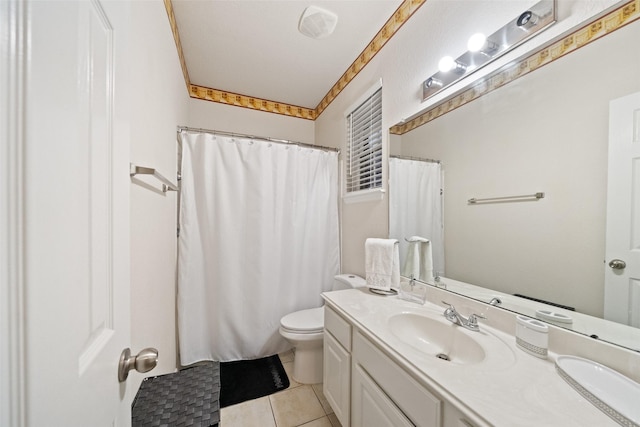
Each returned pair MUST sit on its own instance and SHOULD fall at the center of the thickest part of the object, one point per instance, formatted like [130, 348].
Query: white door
[622, 285]
[76, 212]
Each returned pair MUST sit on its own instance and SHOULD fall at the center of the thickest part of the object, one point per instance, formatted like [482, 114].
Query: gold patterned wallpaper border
[393, 24]
[596, 29]
[176, 37]
[229, 98]
[388, 30]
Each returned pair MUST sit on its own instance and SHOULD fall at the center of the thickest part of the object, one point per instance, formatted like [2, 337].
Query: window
[364, 145]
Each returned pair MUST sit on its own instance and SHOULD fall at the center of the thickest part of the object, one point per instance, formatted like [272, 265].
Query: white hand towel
[412, 263]
[426, 262]
[419, 261]
[382, 263]
[411, 266]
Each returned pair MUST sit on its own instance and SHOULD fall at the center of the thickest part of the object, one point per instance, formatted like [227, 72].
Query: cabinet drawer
[417, 403]
[339, 328]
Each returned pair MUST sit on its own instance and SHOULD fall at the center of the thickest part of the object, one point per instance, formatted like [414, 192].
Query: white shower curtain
[415, 206]
[258, 239]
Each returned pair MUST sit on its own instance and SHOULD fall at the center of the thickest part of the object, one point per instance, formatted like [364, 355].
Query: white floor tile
[296, 406]
[251, 413]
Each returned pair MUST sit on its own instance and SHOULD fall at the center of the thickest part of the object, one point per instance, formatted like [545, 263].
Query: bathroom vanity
[389, 362]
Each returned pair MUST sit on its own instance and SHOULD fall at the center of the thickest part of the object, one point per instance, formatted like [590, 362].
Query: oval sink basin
[439, 338]
[610, 391]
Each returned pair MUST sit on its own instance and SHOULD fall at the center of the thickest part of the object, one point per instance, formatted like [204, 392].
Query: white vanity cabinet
[336, 375]
[367, 388]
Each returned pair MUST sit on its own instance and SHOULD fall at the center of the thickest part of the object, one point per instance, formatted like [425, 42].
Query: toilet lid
[310, 320]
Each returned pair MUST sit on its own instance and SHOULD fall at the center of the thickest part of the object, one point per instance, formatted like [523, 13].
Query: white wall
[404, 63]
[159, 104]
[214, 116]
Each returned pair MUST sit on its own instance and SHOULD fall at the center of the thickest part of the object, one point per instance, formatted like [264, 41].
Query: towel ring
[383, 292]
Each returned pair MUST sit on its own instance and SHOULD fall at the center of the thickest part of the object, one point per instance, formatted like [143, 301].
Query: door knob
[617, 264]
[144, 361]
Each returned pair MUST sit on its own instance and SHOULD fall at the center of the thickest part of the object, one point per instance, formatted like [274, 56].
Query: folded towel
[382, 263]
[426, 262]
[411, 266]
[419, 261]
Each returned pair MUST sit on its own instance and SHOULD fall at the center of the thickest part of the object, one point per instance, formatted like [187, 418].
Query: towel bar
[507, 198]
[141, 170]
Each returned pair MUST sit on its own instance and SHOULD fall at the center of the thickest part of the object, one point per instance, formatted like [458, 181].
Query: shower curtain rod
[419, 159]
[259, 138]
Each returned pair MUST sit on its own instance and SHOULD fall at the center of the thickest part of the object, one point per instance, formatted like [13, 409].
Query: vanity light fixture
[484, 49]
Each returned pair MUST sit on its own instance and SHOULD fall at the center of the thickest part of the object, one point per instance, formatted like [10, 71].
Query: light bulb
[476, 42]
[446, 64]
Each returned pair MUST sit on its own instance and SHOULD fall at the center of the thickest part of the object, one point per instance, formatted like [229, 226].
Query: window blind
[364, 145]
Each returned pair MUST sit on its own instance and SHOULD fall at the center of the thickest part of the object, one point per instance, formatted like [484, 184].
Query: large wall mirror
[547, 131]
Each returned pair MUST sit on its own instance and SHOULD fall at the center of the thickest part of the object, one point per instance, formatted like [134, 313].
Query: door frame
[13, 27]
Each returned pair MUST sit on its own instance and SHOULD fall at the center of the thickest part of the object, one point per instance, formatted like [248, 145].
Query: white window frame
[372, 193]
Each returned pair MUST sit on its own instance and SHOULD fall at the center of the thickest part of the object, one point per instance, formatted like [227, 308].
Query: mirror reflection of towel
[419, 261]
[382, 263]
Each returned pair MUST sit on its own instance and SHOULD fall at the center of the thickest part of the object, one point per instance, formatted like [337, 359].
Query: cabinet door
[371, 407]
[414, 400]
[336, 378]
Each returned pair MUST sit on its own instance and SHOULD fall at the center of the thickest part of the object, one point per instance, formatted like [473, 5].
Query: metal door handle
[144, 361]
[617, 264]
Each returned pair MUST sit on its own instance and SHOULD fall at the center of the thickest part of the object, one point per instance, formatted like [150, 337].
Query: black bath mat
[189, 397]
[249, 379]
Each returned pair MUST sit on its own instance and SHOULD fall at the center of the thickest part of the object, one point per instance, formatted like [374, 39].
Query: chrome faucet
[495, 301]
[437, 282]
[471, 322]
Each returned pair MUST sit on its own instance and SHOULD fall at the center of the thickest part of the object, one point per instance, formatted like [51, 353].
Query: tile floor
[299, 405]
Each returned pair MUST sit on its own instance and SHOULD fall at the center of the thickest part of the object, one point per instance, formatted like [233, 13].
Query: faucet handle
[450, 310]
[473, 319]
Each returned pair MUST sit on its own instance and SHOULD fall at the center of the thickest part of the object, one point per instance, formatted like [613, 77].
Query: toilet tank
[347, 281]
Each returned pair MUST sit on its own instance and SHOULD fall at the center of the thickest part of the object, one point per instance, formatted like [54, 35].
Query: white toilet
[304, 330]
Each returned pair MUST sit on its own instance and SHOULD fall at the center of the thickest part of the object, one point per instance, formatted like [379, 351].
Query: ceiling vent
[317, 23]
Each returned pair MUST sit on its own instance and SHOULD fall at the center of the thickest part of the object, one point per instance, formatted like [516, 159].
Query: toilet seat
[310, 321]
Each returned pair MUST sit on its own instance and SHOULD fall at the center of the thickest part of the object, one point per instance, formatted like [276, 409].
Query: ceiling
[253, 47]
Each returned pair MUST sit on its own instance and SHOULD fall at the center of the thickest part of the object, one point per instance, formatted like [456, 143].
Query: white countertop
[510, 388]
